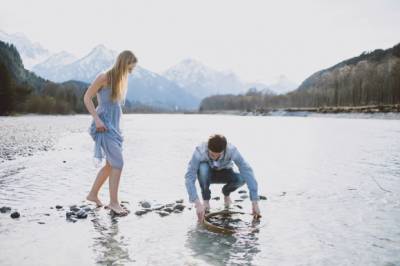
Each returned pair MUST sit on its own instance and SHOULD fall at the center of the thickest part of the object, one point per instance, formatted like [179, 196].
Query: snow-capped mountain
[144, 86]
[31, 53]
[203, 81]
[85, 69]
[283, 85]
[49, 69]
[153, 89]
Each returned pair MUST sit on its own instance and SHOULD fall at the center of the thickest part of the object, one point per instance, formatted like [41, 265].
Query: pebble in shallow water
[15, 215]
[5, 209]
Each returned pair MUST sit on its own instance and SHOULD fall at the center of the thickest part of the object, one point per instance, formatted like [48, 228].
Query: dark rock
[64, 161]
[283, 194]
[163, 213]
[242, 191]
[168, 209]
[263, 197]
[41, 222]
[145, 204]
[15, 215]
[158, 207]
[179, 207]
[177, 211]
[238, 206]
[5, 209]
[74, 208]
[87, 209]
[216, 198]
[81, 214]
[124, 201]
[238, 200]
[69, 214]
[58, 207]
[244, 197]
[179, 201]
[141, 212]
[71, 220]
[47, 214]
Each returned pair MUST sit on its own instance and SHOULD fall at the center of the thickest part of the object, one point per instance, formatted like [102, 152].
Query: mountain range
[182, 86]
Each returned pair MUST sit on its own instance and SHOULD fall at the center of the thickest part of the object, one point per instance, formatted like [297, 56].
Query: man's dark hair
[217, 143]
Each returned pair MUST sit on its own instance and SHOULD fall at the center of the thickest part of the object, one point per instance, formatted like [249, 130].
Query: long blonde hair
[117, 76]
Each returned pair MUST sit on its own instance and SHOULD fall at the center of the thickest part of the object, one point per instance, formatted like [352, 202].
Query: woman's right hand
[100, 127]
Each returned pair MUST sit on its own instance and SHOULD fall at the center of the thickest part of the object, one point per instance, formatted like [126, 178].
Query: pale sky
[258, 40]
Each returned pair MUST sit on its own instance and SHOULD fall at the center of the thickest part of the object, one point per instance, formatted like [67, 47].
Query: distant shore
[367, 109]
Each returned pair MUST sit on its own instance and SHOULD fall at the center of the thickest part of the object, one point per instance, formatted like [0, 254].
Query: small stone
[125, 201]
[145, 204]
[140, 212]
[168, 209]
[47, 214]
[41, 222]
[58, 207]
[15, 215]
[179, 207]
[87, 209]
[64, 161]
[163, 213]
[283, 194]
[238, 206]
[81, 214]
[69, 214]
[242, 191]
[72, 220]
[74, 208]
[238, 200]
[179, 201]
[5, 209]
[244, 197]
[158, 207]
[216, 198]
[177, 211]
[263, 197]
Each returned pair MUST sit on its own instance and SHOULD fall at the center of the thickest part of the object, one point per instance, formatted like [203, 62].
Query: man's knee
[238, 180]
[204, 175]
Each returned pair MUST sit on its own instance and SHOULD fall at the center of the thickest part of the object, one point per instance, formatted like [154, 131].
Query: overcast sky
[258, 40]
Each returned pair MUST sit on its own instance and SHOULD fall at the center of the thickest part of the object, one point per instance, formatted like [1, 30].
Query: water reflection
[218, 249]
[109, 246]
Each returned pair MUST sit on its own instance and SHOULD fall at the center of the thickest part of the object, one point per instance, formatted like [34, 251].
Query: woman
[110, 88]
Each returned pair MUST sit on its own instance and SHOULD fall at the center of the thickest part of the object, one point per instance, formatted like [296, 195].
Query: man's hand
[200, 210]
[256, 210]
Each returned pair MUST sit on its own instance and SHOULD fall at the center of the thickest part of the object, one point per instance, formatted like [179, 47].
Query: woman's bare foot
[118, 209]
[94, 199]
[227, 201]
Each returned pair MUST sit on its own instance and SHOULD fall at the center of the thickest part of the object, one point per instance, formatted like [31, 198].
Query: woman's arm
[99, 82]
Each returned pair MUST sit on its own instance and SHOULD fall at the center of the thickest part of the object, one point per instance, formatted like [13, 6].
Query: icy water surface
[333, 188]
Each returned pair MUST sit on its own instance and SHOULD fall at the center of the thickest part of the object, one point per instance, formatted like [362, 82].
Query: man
[212, 162]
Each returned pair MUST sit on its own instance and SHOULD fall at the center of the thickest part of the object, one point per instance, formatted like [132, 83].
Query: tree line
[369, 79]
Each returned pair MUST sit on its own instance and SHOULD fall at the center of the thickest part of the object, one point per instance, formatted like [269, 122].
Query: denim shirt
[230, 156]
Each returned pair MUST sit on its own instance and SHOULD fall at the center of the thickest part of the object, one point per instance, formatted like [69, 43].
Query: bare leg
[114, 205]
[227, 201]
[98, 183]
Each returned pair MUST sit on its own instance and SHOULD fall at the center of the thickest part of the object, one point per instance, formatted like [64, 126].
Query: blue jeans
[208, 176]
